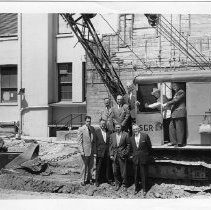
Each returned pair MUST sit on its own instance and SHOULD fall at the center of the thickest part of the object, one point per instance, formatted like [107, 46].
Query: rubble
[57, 170]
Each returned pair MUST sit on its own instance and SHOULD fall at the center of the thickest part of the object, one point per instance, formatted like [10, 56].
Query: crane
[86, 34]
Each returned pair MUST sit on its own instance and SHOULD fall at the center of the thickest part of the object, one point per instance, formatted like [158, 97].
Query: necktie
[89, 132]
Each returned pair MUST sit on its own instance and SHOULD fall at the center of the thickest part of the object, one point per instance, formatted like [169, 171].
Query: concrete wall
[37, 65]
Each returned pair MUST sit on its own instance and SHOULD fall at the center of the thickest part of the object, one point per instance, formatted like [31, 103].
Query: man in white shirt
[166, 112]
[103, 162]
[119, 151]
[140, 155]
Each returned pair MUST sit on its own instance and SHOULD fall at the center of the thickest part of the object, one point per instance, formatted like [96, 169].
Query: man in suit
[130, 99]
[86, 142]
[119, 151]
[103, 162]
[106, 114]
[140, 149]
[177, 126]
[121, 113]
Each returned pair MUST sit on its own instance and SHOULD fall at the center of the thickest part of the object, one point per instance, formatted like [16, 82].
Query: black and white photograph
[105, 105]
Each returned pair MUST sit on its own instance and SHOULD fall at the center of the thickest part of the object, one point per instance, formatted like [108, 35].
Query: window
[65, 81]
[126, 29]
[63, 27]
[8, 84]
[8, 24]
[144, 97]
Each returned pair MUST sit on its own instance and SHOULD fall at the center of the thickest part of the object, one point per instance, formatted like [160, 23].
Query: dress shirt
[130, 95]
[137, 139]
[104, 135]
[118, 137]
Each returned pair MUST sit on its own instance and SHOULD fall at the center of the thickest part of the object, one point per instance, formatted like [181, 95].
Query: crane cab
[197, 86]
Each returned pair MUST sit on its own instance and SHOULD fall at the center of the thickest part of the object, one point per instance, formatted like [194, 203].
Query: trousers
[140, 173]
[87, 167]
[119, 170]
[103, 168]
[177, 130]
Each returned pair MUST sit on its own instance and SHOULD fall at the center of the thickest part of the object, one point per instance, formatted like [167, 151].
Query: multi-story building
[42, 74]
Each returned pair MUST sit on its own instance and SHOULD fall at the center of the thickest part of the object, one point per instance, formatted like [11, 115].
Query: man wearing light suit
[86, 143]
[140, 154]
[119, 151]
[121, 113]
[106, 114]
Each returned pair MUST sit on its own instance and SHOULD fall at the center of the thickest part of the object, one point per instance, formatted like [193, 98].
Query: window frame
[66, 82]
[9, 89]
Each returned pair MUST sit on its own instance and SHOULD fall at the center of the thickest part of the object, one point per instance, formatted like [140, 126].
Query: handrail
[70, 123]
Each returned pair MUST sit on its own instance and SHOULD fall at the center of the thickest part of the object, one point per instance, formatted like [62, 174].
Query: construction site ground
[62, 177]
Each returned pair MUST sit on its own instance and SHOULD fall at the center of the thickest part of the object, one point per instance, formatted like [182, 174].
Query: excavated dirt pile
[63, 173]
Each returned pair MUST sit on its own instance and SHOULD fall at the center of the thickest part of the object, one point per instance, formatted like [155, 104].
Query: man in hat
[166, 112]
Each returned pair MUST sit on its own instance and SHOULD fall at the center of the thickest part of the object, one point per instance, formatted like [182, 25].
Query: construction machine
[192, 162]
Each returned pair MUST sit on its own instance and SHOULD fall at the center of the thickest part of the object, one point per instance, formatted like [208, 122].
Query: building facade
[42, 70]
[137, 47]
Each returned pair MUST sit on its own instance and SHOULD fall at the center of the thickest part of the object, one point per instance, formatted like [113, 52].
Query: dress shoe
[91, 182]
[97, 184]
[171, 144]
[83, 183]
[111, 183]
[117, 187]
[181, 145]
[144, 193]
[124, 187]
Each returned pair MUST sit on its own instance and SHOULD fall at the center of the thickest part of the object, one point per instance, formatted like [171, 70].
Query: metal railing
[73, 120]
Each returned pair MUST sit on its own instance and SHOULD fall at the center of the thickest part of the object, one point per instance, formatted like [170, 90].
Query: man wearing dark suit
[119, 151]
[86, 145]
[177, 126]
[106, 114]
[140, 149]
[103, 162]
[130, 99]
[121, 113]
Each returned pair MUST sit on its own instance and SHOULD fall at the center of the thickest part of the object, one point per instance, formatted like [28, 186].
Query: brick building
[138, 47]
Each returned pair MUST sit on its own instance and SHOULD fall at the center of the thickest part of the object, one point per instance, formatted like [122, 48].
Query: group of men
[114, 143]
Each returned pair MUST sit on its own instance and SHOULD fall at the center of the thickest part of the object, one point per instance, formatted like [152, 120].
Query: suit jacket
[121, 115]
[178, 107]
[131, 103]
[141, 154]
[107, 116]
[123, 149]
[101, 147]
[86, 143]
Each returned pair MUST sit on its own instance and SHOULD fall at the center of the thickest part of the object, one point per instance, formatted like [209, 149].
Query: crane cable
[193, 49]
[125, 43]
[168, 36]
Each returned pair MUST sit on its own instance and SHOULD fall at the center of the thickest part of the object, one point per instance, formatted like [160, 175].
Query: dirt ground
[60, 180]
